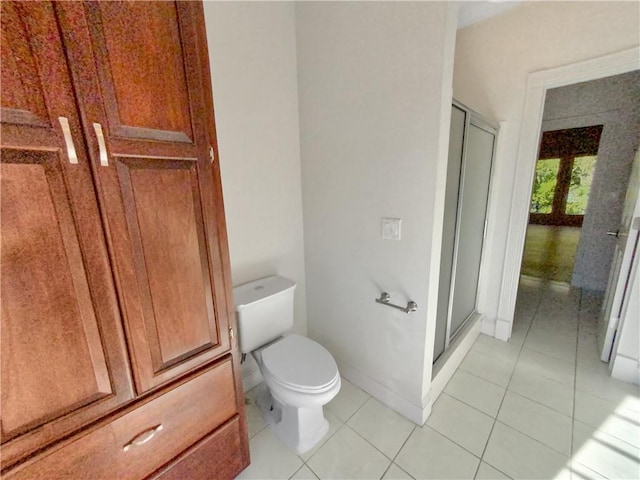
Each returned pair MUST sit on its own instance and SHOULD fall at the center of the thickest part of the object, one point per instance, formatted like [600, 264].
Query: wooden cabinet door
[138, 71]
[64, 358]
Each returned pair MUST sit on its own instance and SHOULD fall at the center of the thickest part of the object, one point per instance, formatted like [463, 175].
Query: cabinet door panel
[22, 100]
[64, 360]
[46, 306]
[163, 211]
[141, 69]
[159, 190]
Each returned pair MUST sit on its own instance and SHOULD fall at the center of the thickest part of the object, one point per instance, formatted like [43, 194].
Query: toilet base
[299, 428]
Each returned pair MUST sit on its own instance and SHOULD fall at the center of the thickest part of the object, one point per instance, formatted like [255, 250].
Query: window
[563, 177]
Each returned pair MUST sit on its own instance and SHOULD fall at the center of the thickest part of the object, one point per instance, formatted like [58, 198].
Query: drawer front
[142, 440]
[221, 455]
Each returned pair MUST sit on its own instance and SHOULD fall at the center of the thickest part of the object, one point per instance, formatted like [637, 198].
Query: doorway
[598, 170]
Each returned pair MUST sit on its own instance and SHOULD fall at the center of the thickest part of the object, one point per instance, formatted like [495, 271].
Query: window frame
[566, 145]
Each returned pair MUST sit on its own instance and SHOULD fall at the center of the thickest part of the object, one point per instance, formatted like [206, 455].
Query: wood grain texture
[215, 457]
[64, 361]
[141, 69]
[46, 305]
[22, 100]
[163, 209]
[140, 217]
[187, 413]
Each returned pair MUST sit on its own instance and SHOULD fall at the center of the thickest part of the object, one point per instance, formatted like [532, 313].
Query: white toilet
[300, 375]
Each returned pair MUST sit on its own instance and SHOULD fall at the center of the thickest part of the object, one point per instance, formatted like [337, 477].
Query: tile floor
[539, 406]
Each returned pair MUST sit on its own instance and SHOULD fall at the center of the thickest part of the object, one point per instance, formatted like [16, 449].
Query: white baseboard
[488, 326]
[503, 329]
[446, 365]
[626, 369]
[251, 379]
[416, 413]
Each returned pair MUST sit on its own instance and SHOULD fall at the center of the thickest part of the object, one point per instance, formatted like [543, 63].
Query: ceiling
[474, 11]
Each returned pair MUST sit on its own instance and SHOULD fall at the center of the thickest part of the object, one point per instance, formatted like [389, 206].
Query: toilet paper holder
[385, 299]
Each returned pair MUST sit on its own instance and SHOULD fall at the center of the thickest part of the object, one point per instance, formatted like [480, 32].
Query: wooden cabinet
[141, 95]
[114, 262]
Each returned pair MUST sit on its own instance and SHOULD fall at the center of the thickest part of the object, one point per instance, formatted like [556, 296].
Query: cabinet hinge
[231, 334]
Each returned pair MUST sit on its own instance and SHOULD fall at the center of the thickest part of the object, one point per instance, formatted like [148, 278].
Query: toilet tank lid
[257, 290]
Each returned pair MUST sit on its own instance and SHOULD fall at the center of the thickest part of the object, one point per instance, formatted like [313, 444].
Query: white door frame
[537, 85]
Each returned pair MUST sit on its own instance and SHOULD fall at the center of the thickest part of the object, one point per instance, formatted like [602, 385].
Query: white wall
[253, 62]
[375, 102]
[613, 102]
[493, 61]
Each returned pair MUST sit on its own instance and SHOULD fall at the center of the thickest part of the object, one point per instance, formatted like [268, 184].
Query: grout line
[484, 450]
[343, 424]
[393, 460]
[452, 441]
[575, 376]
[534, 439]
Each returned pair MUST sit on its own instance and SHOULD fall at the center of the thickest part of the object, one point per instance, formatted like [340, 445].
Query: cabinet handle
[68, 139]
[142, 437]
[104, 160]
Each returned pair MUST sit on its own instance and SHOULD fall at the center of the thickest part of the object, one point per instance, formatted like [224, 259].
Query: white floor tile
[396, 473]
[304, 473]
[490, 368]
[552, 343]
[588, 353]
[270, 458]
[605, 454]
[255, 421]
[496, 348]
[349, 399]
[475, 391]
[487, 472]
[544, 390]
[546, 366]
[519, 331]
[334, 424]
[466, 426]
[519, 456]
[428, 454]
[382, 427]
[346, 455]
[557, 321]
[537, 421]
[580, 472]
[610, 417]
[598, 382]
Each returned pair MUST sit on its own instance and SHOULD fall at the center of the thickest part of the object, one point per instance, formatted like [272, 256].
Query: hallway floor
[539, 406]
[550, 252]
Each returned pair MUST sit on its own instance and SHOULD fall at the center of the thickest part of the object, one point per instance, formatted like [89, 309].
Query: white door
[617, 289]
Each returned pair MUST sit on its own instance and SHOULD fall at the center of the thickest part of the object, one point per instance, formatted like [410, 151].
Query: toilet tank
[265, 310]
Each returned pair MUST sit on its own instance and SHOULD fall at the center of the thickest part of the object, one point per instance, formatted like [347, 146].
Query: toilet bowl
[300, 375]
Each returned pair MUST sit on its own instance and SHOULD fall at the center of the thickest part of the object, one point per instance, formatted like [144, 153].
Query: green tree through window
[544, 185]
[580, 185]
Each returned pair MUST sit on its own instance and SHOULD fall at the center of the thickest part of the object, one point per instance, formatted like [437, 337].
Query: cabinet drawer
[221, 455]
[186, 414]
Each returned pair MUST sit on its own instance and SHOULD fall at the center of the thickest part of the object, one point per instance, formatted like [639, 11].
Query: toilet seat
[300, 364]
